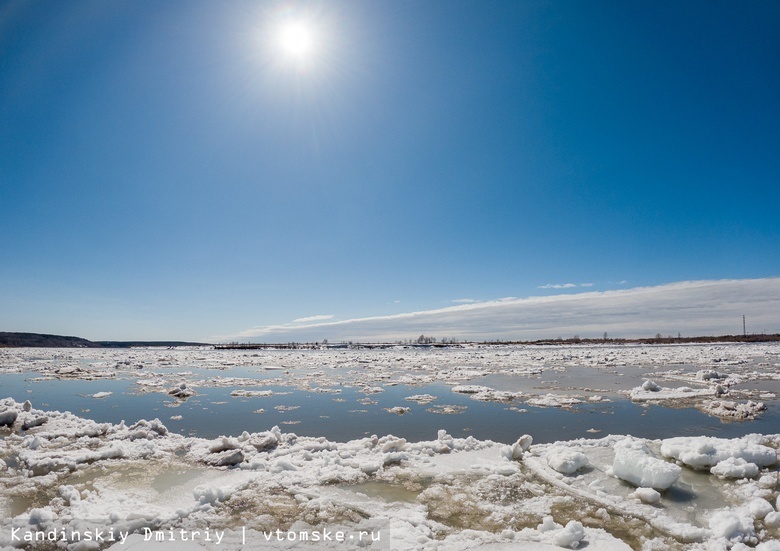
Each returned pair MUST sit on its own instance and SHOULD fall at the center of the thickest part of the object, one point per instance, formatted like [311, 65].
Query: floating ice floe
[242, 393]
[733, 410]
[554, 401]
[486, 394]
[446, 409]
[421, 399]
[182, 390]
[650, 390]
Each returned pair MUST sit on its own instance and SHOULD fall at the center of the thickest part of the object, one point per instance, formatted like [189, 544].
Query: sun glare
[299, 44]
[296, 40]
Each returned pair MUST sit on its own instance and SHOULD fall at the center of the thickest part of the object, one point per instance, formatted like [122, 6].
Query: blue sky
[168, 172]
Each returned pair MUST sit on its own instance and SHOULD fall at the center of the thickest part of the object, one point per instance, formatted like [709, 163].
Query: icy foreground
[120, 486]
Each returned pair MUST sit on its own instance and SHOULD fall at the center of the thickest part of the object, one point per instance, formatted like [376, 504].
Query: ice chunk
[571, 535]
[181, 391]
[421, 399]
[566, 460]
[732, 525]
[470, 389]
[701, 452]
[241, 393]
[735, 467]
[392, 444]
[8, 417]
[735, 410]
[30, 423]
[521, 446]
[709, 374]
[69, 494]
[647, 495]
[633, 463]
[264, 441]
[772, 520]
[759, 508]
[649, 390]
[226, 458]
[148, 430]
[548, 525]
[223, 444]
[554, 400]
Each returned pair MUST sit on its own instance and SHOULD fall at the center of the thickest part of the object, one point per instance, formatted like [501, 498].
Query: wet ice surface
[447, 478]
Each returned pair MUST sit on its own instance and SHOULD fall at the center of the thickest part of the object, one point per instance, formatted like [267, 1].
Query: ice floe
[650, 390]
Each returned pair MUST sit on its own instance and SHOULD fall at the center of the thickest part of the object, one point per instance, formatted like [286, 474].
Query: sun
[296, 40]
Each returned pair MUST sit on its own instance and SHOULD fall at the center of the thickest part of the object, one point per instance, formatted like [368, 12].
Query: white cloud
[712, 307]
[464, 301]
[564, 285]
[313, 318]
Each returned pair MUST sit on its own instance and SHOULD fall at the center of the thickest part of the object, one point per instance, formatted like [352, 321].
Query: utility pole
[744, 329]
